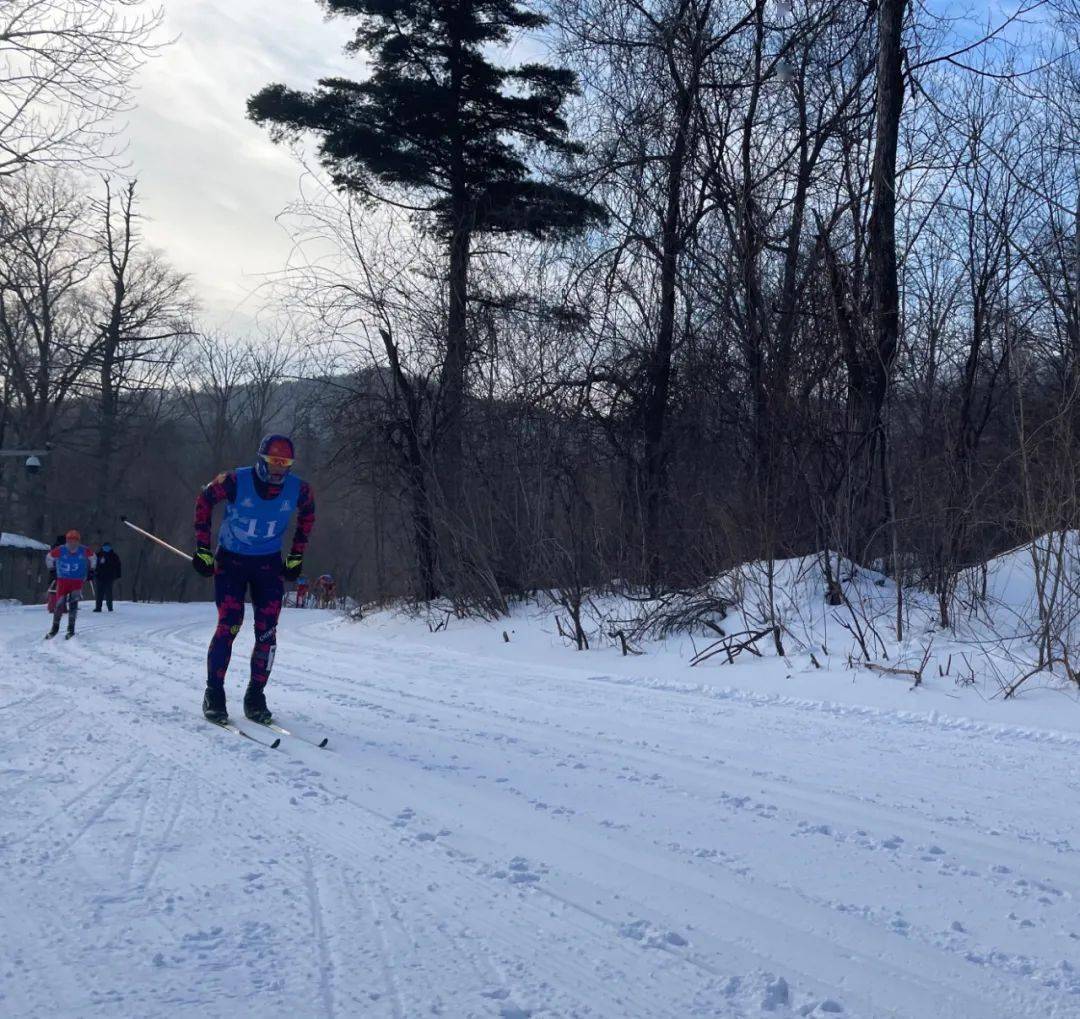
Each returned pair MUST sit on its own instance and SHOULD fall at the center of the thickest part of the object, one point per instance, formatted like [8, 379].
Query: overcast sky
[211, 182]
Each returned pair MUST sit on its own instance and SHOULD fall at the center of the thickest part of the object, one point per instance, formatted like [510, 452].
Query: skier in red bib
[260, 500]
[72, 565]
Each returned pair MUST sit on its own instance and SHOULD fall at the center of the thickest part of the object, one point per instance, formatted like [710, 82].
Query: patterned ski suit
[249, 559]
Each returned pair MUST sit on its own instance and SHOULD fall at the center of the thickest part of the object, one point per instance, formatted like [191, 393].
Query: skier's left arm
[305, 520]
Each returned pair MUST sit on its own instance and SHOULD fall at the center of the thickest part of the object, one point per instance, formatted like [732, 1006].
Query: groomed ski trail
[498, 836]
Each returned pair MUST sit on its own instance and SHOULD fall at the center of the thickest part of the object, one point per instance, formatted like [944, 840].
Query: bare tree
[216, 371]
[48, 342]
[145, 315]
[65, 72]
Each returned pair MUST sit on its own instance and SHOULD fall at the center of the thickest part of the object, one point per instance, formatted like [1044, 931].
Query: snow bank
[841, 658]
[21, 541]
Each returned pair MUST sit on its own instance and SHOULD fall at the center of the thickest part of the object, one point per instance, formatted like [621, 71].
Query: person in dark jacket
[107, 572]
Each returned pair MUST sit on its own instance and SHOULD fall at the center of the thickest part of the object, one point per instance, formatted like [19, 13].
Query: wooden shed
[22, 568]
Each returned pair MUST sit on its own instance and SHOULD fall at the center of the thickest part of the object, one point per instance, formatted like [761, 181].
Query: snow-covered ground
[516, 829]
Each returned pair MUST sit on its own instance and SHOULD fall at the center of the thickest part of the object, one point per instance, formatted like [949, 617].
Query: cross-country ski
[237, 731]
[274, 727]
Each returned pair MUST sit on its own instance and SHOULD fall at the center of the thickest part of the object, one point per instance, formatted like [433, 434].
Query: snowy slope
[518, 830]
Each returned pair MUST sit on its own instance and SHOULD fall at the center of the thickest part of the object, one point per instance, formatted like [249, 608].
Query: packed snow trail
[492, 833]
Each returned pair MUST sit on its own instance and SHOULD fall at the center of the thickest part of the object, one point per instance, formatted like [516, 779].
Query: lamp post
[33, 466]
[33, 457]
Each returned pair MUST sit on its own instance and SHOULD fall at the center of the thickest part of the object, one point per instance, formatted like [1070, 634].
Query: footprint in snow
[649, 937]
[827, 1007]
[777, 995]
[519, 871]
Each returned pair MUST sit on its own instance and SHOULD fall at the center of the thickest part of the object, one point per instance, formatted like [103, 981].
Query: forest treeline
[608, 294]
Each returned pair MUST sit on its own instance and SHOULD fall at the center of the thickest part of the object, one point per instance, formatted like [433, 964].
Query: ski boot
[255, 703]
[213, 704]
[52, 633]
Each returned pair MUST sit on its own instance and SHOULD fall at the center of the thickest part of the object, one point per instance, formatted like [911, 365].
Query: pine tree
[438, 120]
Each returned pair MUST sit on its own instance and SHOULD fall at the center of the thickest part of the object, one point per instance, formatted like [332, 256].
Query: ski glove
[294, 565]
[202, 562]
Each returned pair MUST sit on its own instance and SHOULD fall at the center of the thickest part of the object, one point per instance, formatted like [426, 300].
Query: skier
[260, 500]
[106, 572]
[301, 592]
[72, 565]
[50, 600]
[325, 591]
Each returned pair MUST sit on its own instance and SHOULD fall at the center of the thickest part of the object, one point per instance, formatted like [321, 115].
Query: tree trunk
[657, 396]
[452, 380]
[424, 533]
[108, 409]
[884, 290]
[449, 434]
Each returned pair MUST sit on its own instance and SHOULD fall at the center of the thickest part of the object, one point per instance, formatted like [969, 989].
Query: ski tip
[274, 745]
[325, 740]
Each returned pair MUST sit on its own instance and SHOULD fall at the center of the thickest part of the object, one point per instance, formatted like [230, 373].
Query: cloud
[211, 183]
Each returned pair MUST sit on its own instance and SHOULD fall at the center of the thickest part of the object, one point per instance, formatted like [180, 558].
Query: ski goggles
[281, 462]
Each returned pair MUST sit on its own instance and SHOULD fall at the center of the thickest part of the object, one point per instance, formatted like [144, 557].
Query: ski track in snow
[535, 840]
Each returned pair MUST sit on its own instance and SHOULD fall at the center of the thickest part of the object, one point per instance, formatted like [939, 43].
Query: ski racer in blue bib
[71, 565]
[259, 502]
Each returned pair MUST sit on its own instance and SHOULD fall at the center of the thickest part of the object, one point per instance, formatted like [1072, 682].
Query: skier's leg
[105, 591]
[230, 582]
[58, 615]
[73, 610]
[267, 590]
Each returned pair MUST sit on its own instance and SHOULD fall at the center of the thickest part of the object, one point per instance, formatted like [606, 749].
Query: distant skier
[72, 565]
[301, 592]
[260, 500]
[325, 591]
[50, 600]
[106, 573]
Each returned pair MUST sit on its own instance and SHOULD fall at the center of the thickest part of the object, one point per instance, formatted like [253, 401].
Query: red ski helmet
[275, 459]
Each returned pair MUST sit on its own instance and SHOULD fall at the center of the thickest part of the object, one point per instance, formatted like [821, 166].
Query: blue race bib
[253, 525]
[72, 565]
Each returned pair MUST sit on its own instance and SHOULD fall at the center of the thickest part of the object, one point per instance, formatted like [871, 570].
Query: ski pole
[154, 538]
